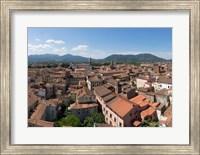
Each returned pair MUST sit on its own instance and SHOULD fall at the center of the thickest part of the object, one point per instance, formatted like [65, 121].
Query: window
[120, 124]
[130, 114]
[110, 115]
[106, 112]
[115, 119]
[110, 122]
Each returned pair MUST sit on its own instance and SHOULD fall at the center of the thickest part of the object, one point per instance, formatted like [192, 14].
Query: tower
[90, 61]
[112, 63]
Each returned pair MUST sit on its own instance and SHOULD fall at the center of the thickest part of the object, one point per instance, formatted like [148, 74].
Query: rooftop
[143, 77]
[163, 91]
[83, 106]
[39, 112]
[168, 111]
[136, 123]
[84, 91]
[113, 82]
[108, 97]
[148, 112]
[41, 123]
[102, 91]
[155, 104]
[94, 79]
[120, 106]
[32, 98]
[163, 79]
[140, 100]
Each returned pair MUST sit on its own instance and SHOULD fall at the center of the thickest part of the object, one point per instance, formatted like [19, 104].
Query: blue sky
[100, 42]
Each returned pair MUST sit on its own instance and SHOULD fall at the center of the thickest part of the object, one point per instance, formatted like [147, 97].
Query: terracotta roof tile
[102, 91]
[168, 111]
[155, 104]
[83, 106]
[108, 97]
[140, 100]
[136, 123]
[113, 82]
[148, 112]
[41, 123]
[120, 106]
[164, 79]
[84, 91]
[32, 98]
[39, 112]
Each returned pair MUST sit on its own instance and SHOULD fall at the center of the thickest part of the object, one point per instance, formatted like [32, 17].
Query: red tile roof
[140, 100]
[39, 112]
[148, 112]
[155, 104]
[32, 98]
[102, 91]
[83, 106]
[120, 106]
[40, 123]
[113, 82]
[136, 123]
[84, 91]
[164, 79]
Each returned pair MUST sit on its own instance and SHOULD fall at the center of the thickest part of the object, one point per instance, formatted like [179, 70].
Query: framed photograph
[99, 77]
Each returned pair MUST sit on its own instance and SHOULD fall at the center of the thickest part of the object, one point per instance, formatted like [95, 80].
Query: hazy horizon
[94, 58]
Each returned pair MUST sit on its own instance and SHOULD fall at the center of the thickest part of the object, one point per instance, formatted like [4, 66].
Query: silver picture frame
[8, 6]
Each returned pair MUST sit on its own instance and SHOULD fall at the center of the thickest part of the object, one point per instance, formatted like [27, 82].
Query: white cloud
[46, 48]
[38, 47]
[80, 48]
[51, 41]
[52, 47]
[38, 40]
[60, 51]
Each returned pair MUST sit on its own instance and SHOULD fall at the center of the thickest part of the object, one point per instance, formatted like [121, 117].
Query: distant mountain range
[115, 57]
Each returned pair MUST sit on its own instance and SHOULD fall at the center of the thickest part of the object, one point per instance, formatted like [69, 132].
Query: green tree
[98, 117]
[88, 122]
[70, 101]
[64, 64]
[94, 118]
[58, 124]
[149, 123]
[70, 120]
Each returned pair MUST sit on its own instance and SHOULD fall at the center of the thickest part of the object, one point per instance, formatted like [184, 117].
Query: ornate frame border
[7, 6]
